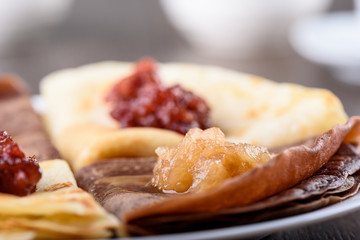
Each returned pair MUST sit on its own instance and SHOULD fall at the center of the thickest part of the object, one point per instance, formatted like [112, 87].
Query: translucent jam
[18, 174]
[141, 100]
[202, 160]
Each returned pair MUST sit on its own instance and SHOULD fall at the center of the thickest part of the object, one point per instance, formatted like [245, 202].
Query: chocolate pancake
[18, 118]
[203, 221]
[101, 179]
[331, 176]
[86, 176]
[130, 197]
[331, 184]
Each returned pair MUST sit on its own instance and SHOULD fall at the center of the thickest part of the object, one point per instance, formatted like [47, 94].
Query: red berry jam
[18, 174]
[141, 100]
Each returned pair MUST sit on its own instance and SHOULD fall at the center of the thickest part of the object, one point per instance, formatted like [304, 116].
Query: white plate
[255, 229]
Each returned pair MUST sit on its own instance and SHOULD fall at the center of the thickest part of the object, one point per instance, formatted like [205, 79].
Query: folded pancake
[247, 108]
[87, 175]
[301, 178]
[18, 118]
[337, 180]
[58, 209]
[212, 220]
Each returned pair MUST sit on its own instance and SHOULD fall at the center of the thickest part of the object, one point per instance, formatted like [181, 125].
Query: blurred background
[315, 43]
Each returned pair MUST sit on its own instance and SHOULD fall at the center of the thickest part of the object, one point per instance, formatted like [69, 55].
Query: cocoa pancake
[146, 211]
[122, 194]
[331, 176]
[281, 172]
[18, 118]
[203, 221]
[87, 175]
[101, 180]
[331, 184]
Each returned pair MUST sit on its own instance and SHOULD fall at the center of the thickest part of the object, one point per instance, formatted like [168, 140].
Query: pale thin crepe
[247, 108]
[58, 209]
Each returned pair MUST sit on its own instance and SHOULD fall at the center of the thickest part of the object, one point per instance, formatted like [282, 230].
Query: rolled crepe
[247, 108]
[58, 209]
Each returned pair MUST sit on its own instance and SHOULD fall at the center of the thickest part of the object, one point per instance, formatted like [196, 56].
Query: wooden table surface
[127, 30]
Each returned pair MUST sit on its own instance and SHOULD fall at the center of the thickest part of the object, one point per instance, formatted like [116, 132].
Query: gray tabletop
[127, 30]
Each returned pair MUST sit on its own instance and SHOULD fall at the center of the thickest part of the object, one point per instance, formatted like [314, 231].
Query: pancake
[87, 175]
[301, 178]
[58, 209]
[247, 108]
[18, 118]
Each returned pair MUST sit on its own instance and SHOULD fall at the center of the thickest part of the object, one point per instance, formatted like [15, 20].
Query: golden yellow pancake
[246, 108]
[58, 209]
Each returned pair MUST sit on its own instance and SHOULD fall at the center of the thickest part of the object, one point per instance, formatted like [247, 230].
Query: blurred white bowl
[238, 28]
[21, 18]
[332, 40]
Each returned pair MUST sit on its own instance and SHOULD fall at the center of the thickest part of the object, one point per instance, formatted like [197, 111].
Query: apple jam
[202, 160]
[18, 174]
[141, 100]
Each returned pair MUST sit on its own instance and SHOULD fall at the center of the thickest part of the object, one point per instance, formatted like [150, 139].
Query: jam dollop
[18, 174]
[141, 100]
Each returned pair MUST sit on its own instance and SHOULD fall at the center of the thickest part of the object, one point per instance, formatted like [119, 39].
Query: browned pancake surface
[87, 175]
[283, 171]
[322, 182]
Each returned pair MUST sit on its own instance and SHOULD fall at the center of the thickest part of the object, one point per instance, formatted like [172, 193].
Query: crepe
[87, 175]
[58, 209]
[247, 108]
[300, 178]
[18, 118]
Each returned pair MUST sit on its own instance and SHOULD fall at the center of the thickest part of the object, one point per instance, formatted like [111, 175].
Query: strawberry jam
[18, 174]
[141, 100]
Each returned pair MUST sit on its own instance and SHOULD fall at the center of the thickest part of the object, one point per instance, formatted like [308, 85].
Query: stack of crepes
[300, 178]
[58, 208]
[246, 108]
